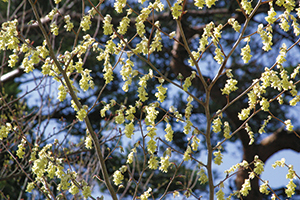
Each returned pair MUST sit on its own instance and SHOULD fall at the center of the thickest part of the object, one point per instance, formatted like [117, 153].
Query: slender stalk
[209, 147]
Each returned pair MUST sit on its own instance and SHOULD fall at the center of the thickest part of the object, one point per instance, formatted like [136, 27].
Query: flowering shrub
[148, 122]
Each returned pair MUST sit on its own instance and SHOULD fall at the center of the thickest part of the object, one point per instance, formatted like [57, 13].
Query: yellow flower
[264, 104]
[226, 130]
[219, 56]
[199, 3]
[203, 178]
[124, 23]
[21, 148]
[245, 53]
[244, 114]
[119, 5]
[218, 157]
[210, 3]
[264, 188]
[86, 22]
[88, 142]
[195, 143]
[288, 125]
[120, 119]
[220, 195]
[146, 194]
[69, 25]
[130, 158]
[107, 25]
[235, 24]
[290, 188]
[54, 29]
[153, 162]
[169, 131]
[73, 189]
[246, 6]
[151, 146]
[271, 16]
[164, 164]
[81, 114]
[117, 177]
[129, 128]
[217, 125]
[161, 93]
[246, 188]
[176, 10]
[30, 187]
[229, 86]
[187, 154]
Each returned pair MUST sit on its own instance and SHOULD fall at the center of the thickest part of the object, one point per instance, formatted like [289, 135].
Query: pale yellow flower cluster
[4, 130]
[153, 162]
[220, 194]
[263, 188]
[187, 154]
[119, 5]
[235, 24]
[243, 164]
[199, 3]
[245, 53]
[69, 25]
[131, 156]
[124, 23]
[118, 177]
[169, 131]
[246, 5]
[54, 28]
[226, 130]
[262, 128]
[177, 9]
[188, 113]
[216, 125]
[218, 157]
[230, 86]
[142, 89]
[21, 148]
[259, 166]
[107, 27]
[195, 143]
[271, 14]
[266, 37]
[88, 141]
[164, 164]
[85, 23]
[289, 125]
[146, 194]
[43, 166]
[156, 44]
[82, 113]
[246, 187]
[202, 176]
[51, 14]
[139, 23]
[161, 94]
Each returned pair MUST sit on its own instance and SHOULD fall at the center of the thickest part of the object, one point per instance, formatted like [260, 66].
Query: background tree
[121, 65]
